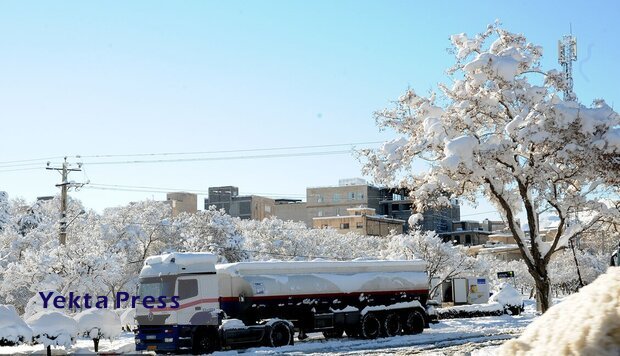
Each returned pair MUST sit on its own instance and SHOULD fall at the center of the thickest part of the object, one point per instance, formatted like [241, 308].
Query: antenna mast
[567, 54]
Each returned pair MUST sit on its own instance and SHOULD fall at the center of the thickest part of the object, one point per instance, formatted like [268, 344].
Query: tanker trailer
[264, 303]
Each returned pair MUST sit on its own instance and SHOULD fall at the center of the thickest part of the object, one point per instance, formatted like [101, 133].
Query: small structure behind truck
[265, 303]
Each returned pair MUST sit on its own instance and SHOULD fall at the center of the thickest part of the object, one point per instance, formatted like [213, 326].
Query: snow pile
[53, 328]
[13, 330]
[128, 319]
[401, 305]
[98, 324]
[585, 323]
[471, 311]
[229, 324]
[509, 297]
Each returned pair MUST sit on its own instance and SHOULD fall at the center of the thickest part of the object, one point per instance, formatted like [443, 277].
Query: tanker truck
[187, 303]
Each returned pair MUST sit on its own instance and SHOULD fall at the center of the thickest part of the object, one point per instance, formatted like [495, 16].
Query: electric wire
[231, 151]
[222, 158]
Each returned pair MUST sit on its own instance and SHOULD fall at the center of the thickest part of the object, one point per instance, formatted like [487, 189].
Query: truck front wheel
[205, 342]
[280, 334]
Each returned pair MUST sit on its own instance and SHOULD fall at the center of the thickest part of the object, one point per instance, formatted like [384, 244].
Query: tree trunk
[49, 350]
[96, 342]
[543, 293]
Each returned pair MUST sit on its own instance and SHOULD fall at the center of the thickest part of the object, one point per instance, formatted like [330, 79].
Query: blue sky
[92, 78]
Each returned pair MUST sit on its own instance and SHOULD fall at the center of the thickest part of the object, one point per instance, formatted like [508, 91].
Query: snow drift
[13, 330]
[585, 323]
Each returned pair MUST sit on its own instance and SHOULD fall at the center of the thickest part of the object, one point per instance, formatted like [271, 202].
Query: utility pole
[65, 185]
[567, 54]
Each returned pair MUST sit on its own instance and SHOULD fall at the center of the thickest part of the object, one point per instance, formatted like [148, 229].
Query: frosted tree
[501, 129]
[273, 238]
[210, 230]
[443, 260]
[130, 234]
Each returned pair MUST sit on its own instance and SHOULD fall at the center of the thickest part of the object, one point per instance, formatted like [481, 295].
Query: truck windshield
[157, 286]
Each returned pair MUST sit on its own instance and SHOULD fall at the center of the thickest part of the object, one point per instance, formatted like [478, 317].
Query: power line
[230, 151]
[43, 159]
[137, 188]
[20, 169]
[200, 159]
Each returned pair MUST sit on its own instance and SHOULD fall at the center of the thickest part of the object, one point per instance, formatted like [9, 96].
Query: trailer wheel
[204, 342]
[414, 324]
[280, 334]
[391, 325]
[335, 333]
[370, 327]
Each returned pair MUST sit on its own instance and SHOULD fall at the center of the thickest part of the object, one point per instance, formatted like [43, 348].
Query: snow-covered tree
[130, 234]
[97, 324]
[443, 260]
[288, 240]
[501, 129]
[563, 270]
[210, 230]
[52, 328]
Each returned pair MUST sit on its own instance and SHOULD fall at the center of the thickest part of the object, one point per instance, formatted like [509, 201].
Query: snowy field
[477, 335]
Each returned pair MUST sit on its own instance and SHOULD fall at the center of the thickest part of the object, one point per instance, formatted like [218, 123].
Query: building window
[267, 209]
[319, 213]
[344, 226]
[468, 239]
[351, 195]
[319, 198]
[360, 225]
[336, 197]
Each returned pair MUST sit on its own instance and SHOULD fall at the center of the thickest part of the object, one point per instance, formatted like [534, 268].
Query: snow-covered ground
[447, 337]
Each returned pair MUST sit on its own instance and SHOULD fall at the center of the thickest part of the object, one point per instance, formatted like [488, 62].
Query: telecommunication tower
[567, 54]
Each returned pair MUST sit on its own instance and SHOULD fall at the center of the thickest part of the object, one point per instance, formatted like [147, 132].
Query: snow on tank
[178, 263]
[320, 277]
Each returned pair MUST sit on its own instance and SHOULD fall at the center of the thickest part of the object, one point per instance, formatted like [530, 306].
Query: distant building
[292, 209]
[182, 202]
[242, 206]
[363, 221]
[466, 233]
[397, 204]
[504, 252]
[388, 202]
[335, 200]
